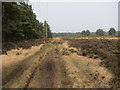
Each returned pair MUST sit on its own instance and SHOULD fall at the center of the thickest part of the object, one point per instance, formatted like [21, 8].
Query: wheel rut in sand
[44, 74]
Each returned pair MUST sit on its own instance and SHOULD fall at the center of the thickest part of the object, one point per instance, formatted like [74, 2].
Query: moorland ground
[69, 62]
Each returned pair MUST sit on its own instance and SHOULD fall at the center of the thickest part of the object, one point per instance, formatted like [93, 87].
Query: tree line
[20, 23]
[99, 32]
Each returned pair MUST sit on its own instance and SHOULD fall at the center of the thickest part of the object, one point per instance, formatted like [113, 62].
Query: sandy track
[51, 72]
[56, 67]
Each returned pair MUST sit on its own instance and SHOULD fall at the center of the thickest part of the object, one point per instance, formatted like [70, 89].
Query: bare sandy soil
[15, 56]
[53, 65]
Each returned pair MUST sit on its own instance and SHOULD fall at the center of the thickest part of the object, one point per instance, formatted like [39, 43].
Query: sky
[77, 16]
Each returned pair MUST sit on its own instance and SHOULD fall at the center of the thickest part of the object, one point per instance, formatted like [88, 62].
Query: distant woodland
[99, 32]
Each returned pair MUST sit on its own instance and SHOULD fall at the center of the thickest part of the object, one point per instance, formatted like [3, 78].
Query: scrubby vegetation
[107, 50]
[25, 44]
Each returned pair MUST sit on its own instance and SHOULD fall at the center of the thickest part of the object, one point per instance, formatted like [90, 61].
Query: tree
[83, 33]
[87, 33]
[118, 34]
[20, 23]
[112, 31]
[100, 32]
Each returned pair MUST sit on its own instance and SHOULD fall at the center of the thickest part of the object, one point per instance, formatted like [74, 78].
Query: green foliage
[100, 32]
[85, 33]
[112, 31]
[118, 33]
[19, 23]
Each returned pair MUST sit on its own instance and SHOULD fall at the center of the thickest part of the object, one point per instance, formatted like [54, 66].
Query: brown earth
[54, 65]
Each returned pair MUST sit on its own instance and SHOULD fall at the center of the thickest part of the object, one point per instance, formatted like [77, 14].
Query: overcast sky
[77, 16]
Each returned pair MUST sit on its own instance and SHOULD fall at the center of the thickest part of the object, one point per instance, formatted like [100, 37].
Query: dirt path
[55, 66]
